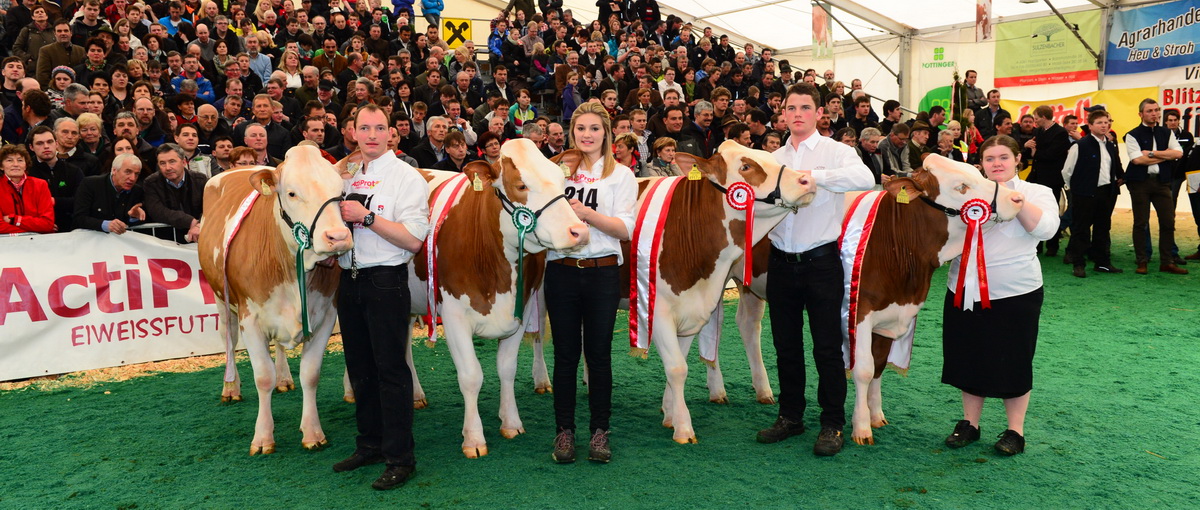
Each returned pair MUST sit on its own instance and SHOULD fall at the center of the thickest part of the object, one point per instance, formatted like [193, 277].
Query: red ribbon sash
[974, 213]
[740, 196]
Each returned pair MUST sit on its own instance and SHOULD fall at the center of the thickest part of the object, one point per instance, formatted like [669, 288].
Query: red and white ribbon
[974, 213]
[243, 211]
[740, 196]
[644, 249]
[440, 208]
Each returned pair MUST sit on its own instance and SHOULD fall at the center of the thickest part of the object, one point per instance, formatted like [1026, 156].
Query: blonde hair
[283, 62]
[597, 109]
[90, 119]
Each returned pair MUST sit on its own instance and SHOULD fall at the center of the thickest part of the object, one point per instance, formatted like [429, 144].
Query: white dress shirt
[1135, 151]
[615, 196]
[836, 169]
[1105, 162]
[396, 192]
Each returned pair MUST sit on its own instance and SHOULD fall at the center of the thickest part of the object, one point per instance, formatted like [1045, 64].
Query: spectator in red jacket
[25, 202]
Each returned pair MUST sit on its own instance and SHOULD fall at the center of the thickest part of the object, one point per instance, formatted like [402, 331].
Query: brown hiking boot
[598, 449]
[783, 428]
[564, 447]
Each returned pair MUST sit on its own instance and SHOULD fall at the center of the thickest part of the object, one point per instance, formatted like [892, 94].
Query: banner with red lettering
[85, 300]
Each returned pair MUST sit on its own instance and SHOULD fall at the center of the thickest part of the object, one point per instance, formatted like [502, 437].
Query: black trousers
[582, 303]
[1142, 195]
[372, 310]
[814, 285]
[1194, 198]
[1091, 223]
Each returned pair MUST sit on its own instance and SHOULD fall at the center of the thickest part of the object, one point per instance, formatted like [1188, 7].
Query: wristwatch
[368, 220]
[1151, 154]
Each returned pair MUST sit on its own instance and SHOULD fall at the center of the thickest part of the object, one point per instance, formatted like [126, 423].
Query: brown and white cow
[702, 241]
[908, 243]
[477, 248]
[260, 268]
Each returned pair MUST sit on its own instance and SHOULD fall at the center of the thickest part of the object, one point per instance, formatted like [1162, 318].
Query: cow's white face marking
[960, 182]
[543, 181]
[305, 182]
[796, 192]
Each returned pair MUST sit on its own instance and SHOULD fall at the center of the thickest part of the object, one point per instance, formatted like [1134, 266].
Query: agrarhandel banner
[1154, 37]
[1043, 50]
[85, 300]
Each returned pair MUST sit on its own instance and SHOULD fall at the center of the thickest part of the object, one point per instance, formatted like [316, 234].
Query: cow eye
[522, 187]
[962, 189]
[744, 168]
[291, 194]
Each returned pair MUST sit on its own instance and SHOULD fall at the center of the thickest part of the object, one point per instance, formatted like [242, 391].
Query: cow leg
[264, 381]
[347, 389]
[506, 368]
[880, 347]
[710, 334]
[541, 376]
[283, 373]
[470, 380]
[863, 372]
[311, 356]
[231, 391]
[750, 313]
[676, 414]
[419, 401]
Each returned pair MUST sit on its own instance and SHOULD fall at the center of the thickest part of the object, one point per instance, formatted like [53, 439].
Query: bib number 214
[584, 195]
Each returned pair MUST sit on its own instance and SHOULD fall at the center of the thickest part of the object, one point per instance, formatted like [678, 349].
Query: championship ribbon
[303, 242]
[525, 221]
[740, 196]
[974, 213]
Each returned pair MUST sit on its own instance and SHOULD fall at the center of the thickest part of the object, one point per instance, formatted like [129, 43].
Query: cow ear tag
[694, 173]
[902, 196]
[477, 183]
[266, 190]
[566, 170]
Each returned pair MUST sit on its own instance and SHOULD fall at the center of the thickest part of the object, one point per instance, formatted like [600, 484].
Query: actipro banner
[1043, 50]
[84, 300]
[1154, 37]
[1122, 105]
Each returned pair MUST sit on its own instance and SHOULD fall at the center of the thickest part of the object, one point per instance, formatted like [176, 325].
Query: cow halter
[525, 221]
[974, 213]
[303, 235]
[740, 196]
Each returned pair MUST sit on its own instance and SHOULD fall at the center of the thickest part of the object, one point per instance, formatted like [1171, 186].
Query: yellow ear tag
[266, 190]
[694, 173]
[477, 183]
[566, 170]
[902, 196]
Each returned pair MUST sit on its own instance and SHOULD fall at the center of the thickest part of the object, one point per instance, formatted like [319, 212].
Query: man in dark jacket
[699, 138]
[63, 177]
[1050, 145]
[175, 195]
[111, 202]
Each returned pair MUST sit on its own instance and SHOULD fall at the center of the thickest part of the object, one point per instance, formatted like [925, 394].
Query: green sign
[1043, 50]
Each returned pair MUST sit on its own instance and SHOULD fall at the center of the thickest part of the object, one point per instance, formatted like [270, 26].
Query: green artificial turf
[1112, 424]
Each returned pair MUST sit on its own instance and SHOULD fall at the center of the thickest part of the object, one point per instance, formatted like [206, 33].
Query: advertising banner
[822, 33]
[1154, 37]
[84, 300]
[1184, 100]
[456, 31]
[983, 21]
[1122, 105]
[1041, 51]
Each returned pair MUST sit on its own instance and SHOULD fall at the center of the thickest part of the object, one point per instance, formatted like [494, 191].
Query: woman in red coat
[25, 202]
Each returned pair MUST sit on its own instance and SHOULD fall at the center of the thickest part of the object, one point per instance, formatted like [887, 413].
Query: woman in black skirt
[988, 353]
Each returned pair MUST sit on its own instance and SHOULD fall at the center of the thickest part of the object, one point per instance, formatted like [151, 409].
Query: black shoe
[964, 434]
[1052, 252]
[598, 449]
[357, 460]
[1068, 259]
[1078, 272]
[392, 477]
[829, 442]
[1179, 261]
[564, 447]
[1107, 268]
[1010, 443]
[783, 428]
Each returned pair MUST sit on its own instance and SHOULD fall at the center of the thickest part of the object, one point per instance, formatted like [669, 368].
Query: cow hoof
[420, 404]
[667, 423]
[266, 449]
[511, 433]
[230, 399]
[769, 400]
[542, 390]
[475, 452]
[879, 423]
[348, 398]
[864, 441]
[285, 387]
[315, 445]
[719, 400]
[686, 439]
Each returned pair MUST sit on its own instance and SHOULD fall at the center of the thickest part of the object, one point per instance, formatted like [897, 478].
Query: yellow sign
[1121, 104]
[456, 31]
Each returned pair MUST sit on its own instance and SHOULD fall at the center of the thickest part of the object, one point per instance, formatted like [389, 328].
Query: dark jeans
[816, 286]
[1143, 194]
[582, 303]
[1091, 225]
[372, 312]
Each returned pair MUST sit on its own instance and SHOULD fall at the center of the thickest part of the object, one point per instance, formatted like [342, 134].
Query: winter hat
[62, 69]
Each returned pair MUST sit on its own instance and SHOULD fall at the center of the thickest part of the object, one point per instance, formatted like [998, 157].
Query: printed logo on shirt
[363, 183]
[579, 178]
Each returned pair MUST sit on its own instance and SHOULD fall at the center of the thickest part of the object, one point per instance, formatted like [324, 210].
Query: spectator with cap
[917, 149]
[895, 152]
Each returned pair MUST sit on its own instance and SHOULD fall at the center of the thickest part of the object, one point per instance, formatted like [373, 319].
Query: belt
[824, 250]
[610, 260]
[378, 269]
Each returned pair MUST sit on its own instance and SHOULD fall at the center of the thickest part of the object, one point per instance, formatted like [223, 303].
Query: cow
[914, 234]
[476, 261]
[255, 272]
[702, 240]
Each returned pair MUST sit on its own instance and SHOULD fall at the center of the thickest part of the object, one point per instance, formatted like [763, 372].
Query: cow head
[946, 185]
[303, 185]
[734, 162]
[523, 176]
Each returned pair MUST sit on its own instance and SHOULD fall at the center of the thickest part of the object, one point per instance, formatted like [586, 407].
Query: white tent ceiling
[787, 24]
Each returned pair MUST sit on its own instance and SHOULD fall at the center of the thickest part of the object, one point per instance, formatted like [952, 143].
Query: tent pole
[1109, 11]
[856, 39]
[1071, 27]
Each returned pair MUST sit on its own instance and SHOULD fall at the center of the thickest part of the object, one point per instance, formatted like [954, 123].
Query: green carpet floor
[1113, 423]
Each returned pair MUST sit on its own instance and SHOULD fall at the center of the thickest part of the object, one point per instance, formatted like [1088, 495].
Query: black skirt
[989, 353]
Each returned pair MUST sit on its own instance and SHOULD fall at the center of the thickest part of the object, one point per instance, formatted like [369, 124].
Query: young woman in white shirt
[582, 286]
[988, 353]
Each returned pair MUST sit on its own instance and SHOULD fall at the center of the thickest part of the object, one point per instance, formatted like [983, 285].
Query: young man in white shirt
[386, 202]
[806, 274]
